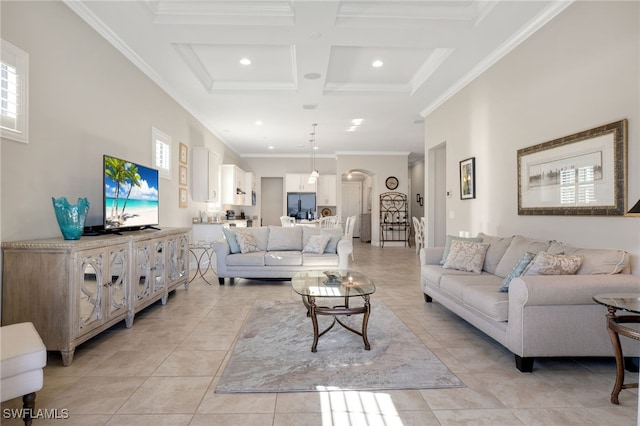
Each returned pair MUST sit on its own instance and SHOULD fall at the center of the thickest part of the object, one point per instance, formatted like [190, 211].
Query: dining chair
[349, 226]
[329, 222]
[287, 220]
[418, 228]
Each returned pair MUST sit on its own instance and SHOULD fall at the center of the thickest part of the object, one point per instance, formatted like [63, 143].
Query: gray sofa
[279, 252]
[539, 315]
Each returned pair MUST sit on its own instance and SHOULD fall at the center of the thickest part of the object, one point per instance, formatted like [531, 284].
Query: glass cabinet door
[90, 295]
[142, 276]
[117, 287]
[158, 280]
[178, 259]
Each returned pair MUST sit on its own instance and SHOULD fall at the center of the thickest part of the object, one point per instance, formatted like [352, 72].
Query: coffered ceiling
[311, 62]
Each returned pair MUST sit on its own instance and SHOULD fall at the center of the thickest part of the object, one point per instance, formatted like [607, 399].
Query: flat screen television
[131, 197]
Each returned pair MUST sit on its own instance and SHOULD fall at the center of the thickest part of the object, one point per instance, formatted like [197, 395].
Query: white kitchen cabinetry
[326, 190]
[233, 181]
[205, 182]
[298, 182]
[72, 290]
[250, 187]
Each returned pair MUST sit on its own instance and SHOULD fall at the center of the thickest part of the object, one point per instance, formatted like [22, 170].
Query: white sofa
[540, 315]
[279, 252]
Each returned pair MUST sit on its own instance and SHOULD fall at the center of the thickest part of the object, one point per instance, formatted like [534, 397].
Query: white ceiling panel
[311, 63]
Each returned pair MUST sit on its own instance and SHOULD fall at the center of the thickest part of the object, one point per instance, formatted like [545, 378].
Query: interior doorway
[271, 200]
[437, 183]
[352, 204]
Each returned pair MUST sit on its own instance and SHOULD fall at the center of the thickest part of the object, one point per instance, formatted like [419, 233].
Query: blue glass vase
[70, 217]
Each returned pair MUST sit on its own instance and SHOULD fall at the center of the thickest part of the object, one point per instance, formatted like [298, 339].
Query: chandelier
[313, 177]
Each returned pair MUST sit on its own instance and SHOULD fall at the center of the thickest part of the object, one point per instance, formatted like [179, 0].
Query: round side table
[202, 253]
[629, 302]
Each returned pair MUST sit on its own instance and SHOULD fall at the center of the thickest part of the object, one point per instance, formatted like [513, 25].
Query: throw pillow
[522, 264]
[447, 245]
[230, 236]
[553, 264]
[316, 244]
[466, 256]
[332, 246]
[246, 241]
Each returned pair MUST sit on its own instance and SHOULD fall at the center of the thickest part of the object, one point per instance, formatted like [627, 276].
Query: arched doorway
[355, 200]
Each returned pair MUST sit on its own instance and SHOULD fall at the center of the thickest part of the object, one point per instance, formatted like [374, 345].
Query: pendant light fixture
[313, 177]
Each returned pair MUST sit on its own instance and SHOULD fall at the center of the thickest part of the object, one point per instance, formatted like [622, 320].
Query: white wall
[86, 100]
[578, 72]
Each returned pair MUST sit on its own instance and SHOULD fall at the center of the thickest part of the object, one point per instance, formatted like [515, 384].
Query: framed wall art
[183, 172]
[468, 178]
[580, 174]
[183, 154]
[182, 198]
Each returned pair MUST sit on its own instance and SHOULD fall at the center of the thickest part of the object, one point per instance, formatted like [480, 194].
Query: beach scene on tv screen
[131, 194]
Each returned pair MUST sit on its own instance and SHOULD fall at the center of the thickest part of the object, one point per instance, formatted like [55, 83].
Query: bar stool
[22, 359]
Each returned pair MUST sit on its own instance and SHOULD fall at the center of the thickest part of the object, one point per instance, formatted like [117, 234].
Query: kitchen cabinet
[250, 188]
[327, 190]
[72, 290]
[205, 182]
[233, 185]
[299, 182]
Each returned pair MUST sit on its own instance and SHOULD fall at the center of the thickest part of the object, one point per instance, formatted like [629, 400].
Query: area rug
[273, 354]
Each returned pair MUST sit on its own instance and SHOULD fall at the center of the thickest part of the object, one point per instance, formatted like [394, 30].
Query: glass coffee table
[629, 302]
[321, 286]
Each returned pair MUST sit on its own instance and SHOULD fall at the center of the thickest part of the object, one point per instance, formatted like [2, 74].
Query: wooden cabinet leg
[67, 357]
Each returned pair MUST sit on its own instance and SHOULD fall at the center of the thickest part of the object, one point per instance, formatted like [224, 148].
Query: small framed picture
[184, 153]
[183, 202]
[183, 175]
[468, 178]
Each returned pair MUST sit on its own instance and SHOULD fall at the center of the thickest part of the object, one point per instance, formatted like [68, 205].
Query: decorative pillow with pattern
[522, 264]
[450, 239]
[316, 244]
[466, 256]
[553, 264]
[246, 241]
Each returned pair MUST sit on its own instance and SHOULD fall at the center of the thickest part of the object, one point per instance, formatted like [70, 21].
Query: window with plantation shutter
[161, 148]
[14, 81]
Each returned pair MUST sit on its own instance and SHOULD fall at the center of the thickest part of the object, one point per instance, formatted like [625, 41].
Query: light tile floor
[163, 370]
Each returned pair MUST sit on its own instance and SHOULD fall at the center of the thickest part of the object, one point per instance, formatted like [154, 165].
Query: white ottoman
[23, 356]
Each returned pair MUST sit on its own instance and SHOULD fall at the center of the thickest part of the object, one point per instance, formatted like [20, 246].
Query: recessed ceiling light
[357, 121]
[258, 123]
[377, 63]
[245, 61]
[352, 129]
[312, 75]
[270, 147]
